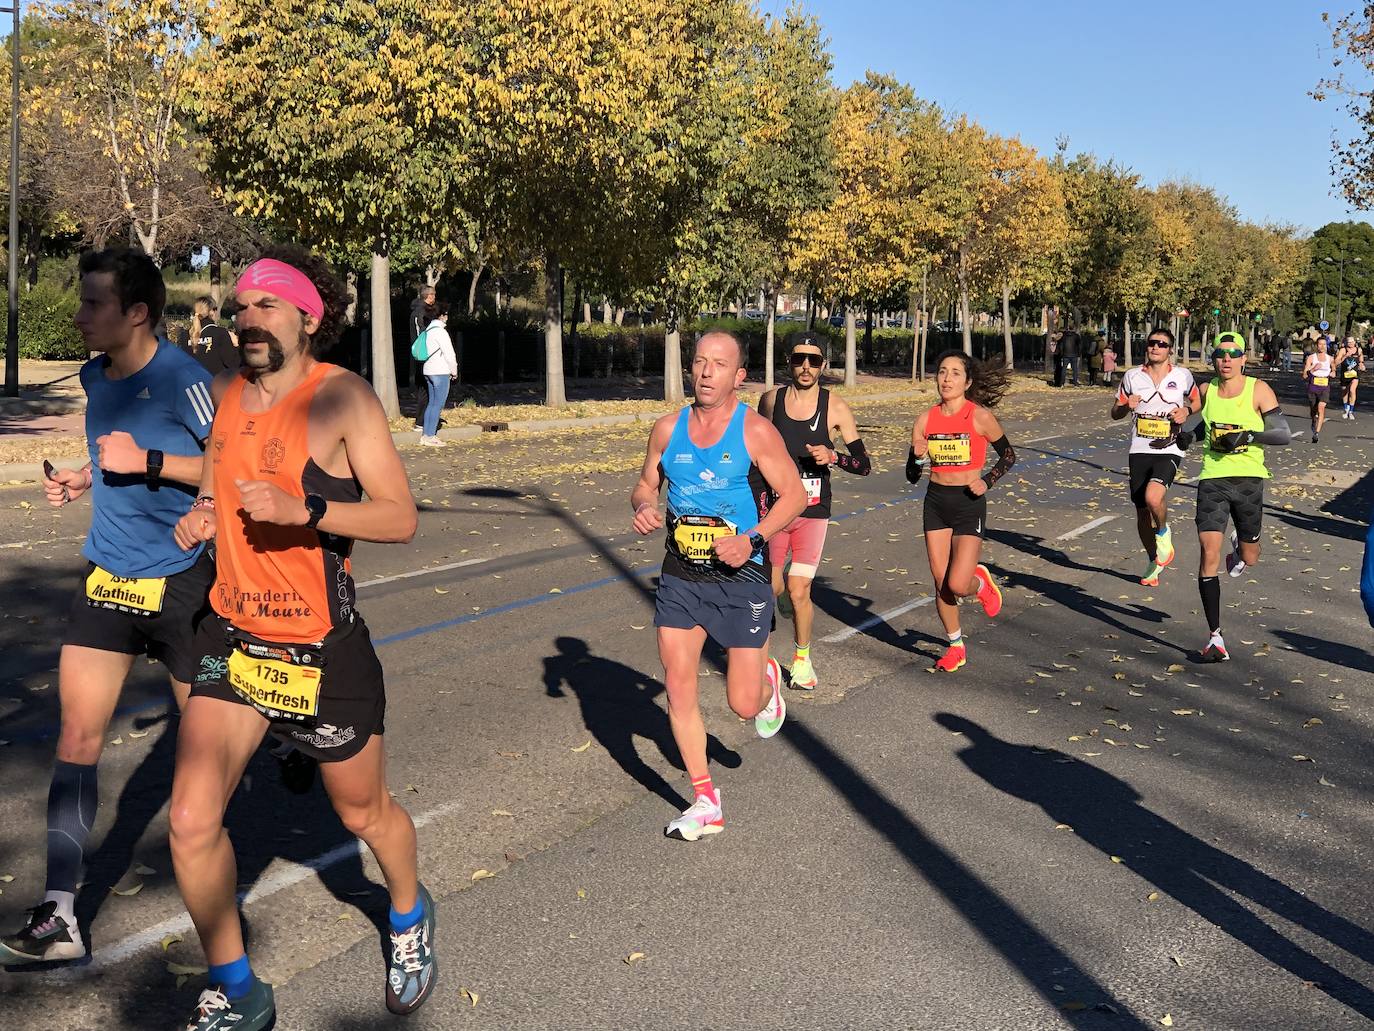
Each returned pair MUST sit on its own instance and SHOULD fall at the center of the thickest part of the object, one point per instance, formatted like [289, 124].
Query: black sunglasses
[800, 358]
[1158, 343]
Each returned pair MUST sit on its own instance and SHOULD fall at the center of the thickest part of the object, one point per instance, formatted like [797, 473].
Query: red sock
[702, 786]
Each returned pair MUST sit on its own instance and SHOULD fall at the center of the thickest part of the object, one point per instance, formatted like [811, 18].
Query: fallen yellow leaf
[168, 940]
[128, 891]
[470, 995]
[634, 957]
[583, 748]
[482, 875]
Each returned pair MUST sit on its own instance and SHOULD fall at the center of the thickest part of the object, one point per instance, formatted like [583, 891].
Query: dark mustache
[254, 335]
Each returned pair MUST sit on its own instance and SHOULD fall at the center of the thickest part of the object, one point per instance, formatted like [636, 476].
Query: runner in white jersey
[1159, 396]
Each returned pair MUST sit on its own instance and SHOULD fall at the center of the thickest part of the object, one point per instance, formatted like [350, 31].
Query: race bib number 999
[1153, 427]
[949, 449]
[694, 537]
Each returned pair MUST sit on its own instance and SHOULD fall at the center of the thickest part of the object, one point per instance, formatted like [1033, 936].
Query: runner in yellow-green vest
[1240, 416]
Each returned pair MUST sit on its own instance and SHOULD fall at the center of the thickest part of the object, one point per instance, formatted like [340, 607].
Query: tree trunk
[431, 275]
[1006, 325]
[576, 340]
[768, 337]
[555, 395]
[605, 311]
[1187, 341]
[851, 377]
[1048, 317]
[672, 359]
[1126, 342]
[922, 327]
[587, 312]
[963, 301]
[868, 336]
[472, 287]
[620, 316]
[351, 282]
[383, 358]
[217, 277]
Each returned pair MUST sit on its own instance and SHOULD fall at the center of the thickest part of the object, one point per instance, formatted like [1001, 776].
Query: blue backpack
[419, 350]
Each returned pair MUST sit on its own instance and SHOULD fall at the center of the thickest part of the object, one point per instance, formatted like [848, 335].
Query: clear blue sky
[1209, 90]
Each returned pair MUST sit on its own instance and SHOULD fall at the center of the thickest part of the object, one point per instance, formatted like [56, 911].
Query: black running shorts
[1318, 395]
[734, 614]
[352, 694]
[1147, 468]
[1237, 498]
[167, 636]
[954, 508]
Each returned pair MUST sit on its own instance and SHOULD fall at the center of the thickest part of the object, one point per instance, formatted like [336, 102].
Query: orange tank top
[288, 584]
[954, 446]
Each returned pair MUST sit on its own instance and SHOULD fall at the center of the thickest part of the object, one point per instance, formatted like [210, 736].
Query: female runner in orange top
[952, 439]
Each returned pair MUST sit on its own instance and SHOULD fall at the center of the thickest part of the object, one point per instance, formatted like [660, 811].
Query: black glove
[1184, 440]
[913, 466]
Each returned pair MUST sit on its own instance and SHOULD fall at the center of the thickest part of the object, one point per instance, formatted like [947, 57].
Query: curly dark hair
[332, 290]
[988, 381]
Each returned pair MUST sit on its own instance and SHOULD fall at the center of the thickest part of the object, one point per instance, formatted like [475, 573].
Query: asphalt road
[1082, 828]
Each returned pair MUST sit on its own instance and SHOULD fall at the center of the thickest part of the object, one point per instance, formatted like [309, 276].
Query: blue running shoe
[412, 969]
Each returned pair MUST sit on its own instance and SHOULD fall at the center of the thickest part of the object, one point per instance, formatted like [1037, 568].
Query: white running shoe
[1235, 565]
[769, 720]
[700, 818]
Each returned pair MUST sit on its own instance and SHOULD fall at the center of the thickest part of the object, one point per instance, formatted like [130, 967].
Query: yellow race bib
[1153, 428]
[280, 690]
[141, 596]
[1351, 373]
[1319, 381]
[949, 449]
[694, 535]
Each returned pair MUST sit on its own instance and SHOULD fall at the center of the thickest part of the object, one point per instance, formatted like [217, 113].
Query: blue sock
[236, 977]
[405, 921]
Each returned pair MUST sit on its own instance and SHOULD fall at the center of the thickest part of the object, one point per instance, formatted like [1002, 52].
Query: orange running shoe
[954, 658]
[991, 594]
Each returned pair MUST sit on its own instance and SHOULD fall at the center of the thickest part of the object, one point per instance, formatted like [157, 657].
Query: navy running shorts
[734, 615]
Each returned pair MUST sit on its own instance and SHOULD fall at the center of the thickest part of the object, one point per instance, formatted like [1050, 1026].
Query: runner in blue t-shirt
[148, 413]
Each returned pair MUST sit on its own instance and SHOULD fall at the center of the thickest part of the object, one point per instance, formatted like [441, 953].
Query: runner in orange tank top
[302, 464]
[952, 438]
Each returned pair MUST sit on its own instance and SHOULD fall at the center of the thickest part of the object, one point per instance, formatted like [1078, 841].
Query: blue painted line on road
[47, 731]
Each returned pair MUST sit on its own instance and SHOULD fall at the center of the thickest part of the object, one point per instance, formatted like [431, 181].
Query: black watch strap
[153, 472]
[316, 506]
[757, 541]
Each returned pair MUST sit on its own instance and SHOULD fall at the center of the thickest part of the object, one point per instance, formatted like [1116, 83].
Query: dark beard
[276, 357]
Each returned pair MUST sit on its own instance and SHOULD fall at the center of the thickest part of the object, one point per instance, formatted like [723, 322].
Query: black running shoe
[411, 968]
[297, 770]
[256, 1011]
[46, 938]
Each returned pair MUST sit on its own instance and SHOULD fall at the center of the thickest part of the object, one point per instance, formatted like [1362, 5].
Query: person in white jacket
[441, 368]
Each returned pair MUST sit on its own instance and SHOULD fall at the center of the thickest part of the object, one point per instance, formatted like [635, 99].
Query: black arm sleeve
[1006, 458]
[856, 461]
[1275, 430]
[914, 466]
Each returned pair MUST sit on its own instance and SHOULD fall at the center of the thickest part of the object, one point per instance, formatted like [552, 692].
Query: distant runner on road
[1240, 416]
[808, 416]
[1159, 396]
[1317, 371]
[720, 462]
[302, 465]
[1349, 365]
[953, 438]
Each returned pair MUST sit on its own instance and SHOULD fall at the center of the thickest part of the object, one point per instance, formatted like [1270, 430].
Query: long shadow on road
[1044, 965]
[618, 706]
[1106, 813]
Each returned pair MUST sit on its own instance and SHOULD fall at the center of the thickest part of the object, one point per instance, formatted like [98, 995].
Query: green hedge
[46, 330]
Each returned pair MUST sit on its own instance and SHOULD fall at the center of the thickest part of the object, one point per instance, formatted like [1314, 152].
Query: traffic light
[1259, 317]
[1216, 311]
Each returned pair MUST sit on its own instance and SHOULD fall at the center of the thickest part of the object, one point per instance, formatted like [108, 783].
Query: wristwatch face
[315, 505]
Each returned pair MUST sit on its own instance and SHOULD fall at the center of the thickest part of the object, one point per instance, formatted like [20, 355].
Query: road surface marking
[378, 581]
[1085, 528]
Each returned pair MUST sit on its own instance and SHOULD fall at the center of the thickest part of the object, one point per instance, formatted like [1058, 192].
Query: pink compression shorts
[804, 538]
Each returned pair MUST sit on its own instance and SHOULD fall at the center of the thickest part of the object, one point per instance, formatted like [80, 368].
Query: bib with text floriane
[949, 449]
[141, 596]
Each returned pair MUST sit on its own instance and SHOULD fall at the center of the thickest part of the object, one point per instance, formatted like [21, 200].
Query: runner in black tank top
[808, 416]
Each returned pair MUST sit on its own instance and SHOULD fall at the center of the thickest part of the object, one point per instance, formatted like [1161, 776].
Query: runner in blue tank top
[148, 412]
[721, 462]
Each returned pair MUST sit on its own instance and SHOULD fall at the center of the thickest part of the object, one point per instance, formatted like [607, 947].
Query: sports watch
[153, 473]
[316, 506]
[756, 541]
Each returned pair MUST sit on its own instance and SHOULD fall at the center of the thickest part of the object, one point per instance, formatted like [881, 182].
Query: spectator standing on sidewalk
[421, 315]
[1093, 354]
[1070, 350]
[1108, 362]
[441, 367]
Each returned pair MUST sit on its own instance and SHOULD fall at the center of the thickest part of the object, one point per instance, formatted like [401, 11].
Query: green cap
[1229, 339]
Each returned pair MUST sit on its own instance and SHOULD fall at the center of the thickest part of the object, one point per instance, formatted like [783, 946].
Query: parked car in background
[949, 327]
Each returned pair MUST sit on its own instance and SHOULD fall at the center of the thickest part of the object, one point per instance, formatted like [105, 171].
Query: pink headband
[282, 280]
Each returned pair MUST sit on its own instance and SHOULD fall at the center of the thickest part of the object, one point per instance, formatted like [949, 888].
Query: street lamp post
[12, 323]
[1340, 291]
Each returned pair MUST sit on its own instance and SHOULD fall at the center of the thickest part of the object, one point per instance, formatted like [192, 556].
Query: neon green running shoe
[803, 674]
[770, 718]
